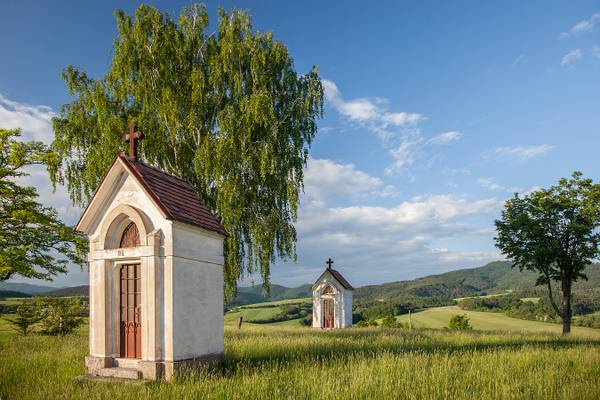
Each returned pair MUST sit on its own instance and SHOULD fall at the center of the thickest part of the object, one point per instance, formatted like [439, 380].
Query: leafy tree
[554, 232]
[27, 315]
[34, 243]
[389, 322]
[459, 322]
[62, 315]
[224, 110]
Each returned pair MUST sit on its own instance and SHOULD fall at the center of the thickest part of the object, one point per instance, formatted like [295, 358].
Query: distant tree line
[542, 310]
[55, 316]
[368, 310]
[288, 312]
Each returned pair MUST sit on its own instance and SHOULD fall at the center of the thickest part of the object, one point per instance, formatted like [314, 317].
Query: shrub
[8, 308]
[459, 322]
[307, 320]
[389, 322]
[62, 315]
[591, 321]
[27, 314]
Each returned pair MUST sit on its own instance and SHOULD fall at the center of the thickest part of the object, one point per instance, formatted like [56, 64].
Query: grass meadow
[439, 317]
[279, 362]
[264, 310]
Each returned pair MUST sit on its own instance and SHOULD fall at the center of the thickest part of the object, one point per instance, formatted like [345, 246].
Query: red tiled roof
[341, 279]
[338, 277]
[176, 197]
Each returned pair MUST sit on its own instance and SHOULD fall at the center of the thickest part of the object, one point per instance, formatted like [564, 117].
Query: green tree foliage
[365, 323]
[513, 306]
[554, 232]
[34, 243]
[28, 314]
[224, 110]
[459, 322]
[287, 313]
[62, 315]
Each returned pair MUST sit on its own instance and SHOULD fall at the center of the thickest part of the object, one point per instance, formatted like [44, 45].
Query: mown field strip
[435, 318]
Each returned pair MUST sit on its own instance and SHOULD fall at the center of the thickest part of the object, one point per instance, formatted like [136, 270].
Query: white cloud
[596, 51]
[390, 243]
[584, 26]
[36, 124]
[445, 138]
[490, 183]
[326, 180]
[571, 57]
[457, 171]
[34, 121]
[398, 130]
[371, 112]
[414, 147]
[519, 153]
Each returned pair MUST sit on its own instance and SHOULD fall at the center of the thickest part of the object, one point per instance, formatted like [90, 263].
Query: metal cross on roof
[329, 262]
[132, 138]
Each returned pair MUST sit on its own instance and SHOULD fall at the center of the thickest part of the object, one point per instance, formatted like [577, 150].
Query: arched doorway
[328, 308]
[130, 299]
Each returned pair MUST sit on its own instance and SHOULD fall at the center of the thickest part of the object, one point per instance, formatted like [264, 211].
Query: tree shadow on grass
[289, 347]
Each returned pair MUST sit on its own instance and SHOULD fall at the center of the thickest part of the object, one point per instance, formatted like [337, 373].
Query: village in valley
[225, 201]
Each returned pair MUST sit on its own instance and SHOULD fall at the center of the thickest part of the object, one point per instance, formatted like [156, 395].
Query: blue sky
[436, 113]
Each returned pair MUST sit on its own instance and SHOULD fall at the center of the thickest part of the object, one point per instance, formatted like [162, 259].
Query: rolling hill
[82, 290]
[27, 288]
[440, 290]
[253, 294]
[6, 294]
[428, 291]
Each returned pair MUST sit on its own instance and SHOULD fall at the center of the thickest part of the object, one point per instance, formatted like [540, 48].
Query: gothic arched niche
[130, 236]
[123, 224]
[328, 290]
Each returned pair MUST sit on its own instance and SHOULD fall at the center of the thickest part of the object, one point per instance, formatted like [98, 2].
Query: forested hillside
[253, 294]
[438, 290]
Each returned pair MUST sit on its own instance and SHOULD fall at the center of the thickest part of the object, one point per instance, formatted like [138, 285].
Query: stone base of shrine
[151, 370]
[94, 364]
[168, 369]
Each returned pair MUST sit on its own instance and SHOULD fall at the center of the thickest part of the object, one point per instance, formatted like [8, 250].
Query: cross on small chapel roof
[133, 138]
[329, 263]
[336, 275]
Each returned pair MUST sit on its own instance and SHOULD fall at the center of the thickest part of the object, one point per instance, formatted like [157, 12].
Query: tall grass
[287, 363]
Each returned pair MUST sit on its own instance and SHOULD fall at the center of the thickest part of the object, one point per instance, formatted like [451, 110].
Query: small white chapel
[156, 273]
[332, 300]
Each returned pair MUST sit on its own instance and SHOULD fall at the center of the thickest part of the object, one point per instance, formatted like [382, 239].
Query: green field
[279, 302]
[531, 299]
[484, 296]
[267, 362]
[263, 311]
[439, 317]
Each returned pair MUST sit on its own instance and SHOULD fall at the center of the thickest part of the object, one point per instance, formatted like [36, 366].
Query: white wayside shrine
[332, 300]
[156, 273]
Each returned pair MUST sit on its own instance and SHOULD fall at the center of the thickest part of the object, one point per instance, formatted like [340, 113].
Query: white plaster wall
[182, 280]
[104, 265]
[346, 321]
[126, 191]
[342, 303]
[197, 292]
[98, 312]
[317, 321]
